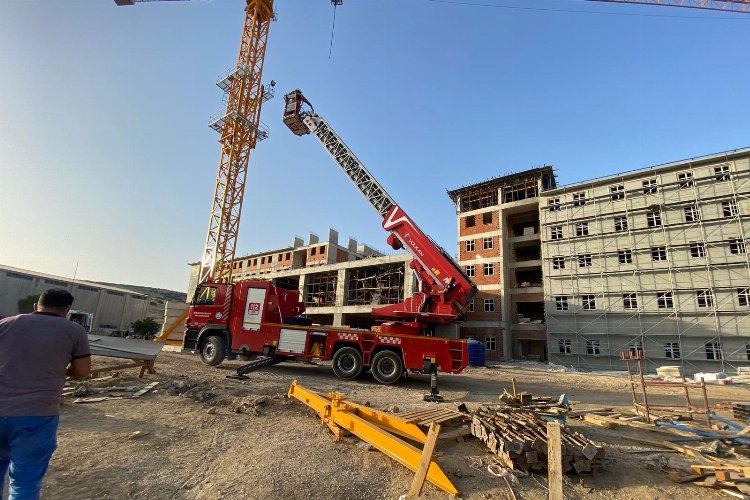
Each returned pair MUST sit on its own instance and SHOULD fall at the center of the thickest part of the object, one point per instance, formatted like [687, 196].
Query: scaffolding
[320, 289]
[699, 215]
[375, 285]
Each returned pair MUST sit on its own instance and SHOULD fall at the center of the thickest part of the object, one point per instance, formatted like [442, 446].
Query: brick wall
[479, 225]
[481, 334]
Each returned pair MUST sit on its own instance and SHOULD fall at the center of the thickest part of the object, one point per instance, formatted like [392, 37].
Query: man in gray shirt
[37, 352]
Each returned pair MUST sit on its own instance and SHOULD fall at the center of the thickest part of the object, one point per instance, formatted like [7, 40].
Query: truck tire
[213, 350]
[347, 363]
[387, 367]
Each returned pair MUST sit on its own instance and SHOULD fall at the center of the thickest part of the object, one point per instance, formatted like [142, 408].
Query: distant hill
[157, 293]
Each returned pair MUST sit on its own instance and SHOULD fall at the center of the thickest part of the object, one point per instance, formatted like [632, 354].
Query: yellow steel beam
[337, 412]
[170, 329]
[389, 422]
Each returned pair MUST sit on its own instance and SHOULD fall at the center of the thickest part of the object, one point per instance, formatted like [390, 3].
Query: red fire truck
[257, 317]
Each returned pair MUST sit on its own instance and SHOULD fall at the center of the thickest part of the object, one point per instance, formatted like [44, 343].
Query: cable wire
[575, 11]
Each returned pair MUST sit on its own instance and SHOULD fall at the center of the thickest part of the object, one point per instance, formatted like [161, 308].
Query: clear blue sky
[106, 159]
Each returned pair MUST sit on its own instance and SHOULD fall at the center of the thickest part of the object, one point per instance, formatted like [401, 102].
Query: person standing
[37, 352]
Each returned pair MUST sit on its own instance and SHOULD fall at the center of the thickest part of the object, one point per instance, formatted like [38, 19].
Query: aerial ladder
[444, 290]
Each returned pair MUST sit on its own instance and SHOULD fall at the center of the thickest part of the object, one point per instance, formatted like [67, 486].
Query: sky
[107, 165]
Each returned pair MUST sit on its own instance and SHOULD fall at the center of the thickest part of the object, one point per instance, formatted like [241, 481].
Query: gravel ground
[202, 436]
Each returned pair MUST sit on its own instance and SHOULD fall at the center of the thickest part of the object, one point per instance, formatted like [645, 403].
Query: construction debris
[741, 411]
[519, 438]
[112, 393]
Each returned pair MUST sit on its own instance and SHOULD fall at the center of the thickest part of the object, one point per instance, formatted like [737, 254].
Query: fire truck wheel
[347, 363]
[213, 350]
[387, 367]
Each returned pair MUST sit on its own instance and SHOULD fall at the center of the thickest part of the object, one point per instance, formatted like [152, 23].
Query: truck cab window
[206, 296]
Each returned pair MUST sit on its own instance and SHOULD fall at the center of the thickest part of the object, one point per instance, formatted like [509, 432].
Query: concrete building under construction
[499, 246]
[339, 283]
[652, 260]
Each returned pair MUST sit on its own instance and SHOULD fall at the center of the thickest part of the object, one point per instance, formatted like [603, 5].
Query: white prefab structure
[113, 309]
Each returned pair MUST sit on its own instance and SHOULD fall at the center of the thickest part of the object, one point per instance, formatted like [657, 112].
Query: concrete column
[408, 281]
[302, 285]
[505, 297]
[338, 319]
[342, 285]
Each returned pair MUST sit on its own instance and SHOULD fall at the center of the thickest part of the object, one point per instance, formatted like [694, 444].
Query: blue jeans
[26, 445]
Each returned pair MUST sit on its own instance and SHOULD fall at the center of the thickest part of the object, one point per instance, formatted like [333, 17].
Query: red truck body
[256, 317]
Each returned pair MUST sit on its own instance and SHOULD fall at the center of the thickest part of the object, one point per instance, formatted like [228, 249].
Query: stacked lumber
[519, 439]
[716, 474]
[741, 411]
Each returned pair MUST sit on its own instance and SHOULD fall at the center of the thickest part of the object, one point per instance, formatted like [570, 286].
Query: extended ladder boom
[445, 289]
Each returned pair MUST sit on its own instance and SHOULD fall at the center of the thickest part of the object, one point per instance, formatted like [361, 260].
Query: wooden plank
[424, 462]
[554, 461]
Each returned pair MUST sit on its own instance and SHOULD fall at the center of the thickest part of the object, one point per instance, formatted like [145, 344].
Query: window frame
[697, 250]
[722, 173]
[470, 270]
[625, 256]
[488, 243]
[706, 297]
[692, 213]
[553, 205]
[653, 218]
[558, 262]
[621, 223]
[617, 192]
[630, 301]
[561, 303]
[588, 302]
[564, 346]
[665, 300]
[593, 347]
[490, 341]
[659, 254]
[470, 243]
[488, 305]
[650, 186]
[737, 246]
[584, 260]
[579, 199]
[743, 295]
[491, 269]
[672, 350]
[714, 351]
[685, 180]
[555, 233]
[582, 228]
[729, 209]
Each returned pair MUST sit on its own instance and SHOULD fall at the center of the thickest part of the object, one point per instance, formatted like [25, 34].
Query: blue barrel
[476, 353]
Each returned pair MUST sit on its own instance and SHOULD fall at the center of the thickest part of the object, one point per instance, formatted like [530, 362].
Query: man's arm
[80, 367]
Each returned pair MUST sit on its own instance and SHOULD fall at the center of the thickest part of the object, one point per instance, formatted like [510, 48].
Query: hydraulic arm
[444, 289]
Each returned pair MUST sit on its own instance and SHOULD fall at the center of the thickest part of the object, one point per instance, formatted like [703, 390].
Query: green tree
[146, 327]
[26, 305]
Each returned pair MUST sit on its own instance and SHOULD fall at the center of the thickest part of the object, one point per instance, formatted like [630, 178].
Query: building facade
[114, 309]
[499, 247]
[653, 260]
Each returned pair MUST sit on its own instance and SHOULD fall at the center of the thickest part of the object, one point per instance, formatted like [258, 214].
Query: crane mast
[240, 129]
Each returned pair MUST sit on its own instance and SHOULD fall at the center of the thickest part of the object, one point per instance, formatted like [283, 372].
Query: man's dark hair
[55, 297]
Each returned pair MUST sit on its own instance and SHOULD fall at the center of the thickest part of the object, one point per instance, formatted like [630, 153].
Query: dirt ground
[193, 444]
